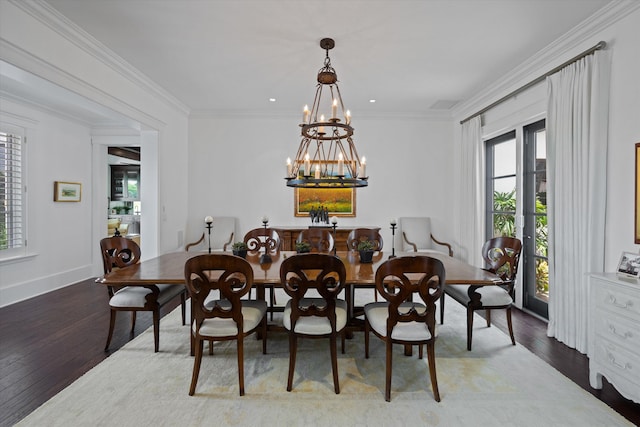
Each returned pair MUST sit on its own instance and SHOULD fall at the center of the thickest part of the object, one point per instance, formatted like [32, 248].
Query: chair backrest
[320, 239]
[502, 255]
[223, 230]
[399, 279]
[118, 252]
[417, 230]
[322, 272]
[232, 276]
[259, 238]
[358, 235]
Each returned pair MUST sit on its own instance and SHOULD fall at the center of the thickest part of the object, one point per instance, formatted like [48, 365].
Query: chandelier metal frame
[327, 155]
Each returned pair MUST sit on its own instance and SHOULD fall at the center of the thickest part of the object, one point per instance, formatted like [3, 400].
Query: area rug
[496, 384]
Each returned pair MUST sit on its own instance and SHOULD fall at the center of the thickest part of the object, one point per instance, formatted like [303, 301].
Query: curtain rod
[600, 45]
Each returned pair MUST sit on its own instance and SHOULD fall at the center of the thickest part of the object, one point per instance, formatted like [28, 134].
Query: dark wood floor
[49, 341]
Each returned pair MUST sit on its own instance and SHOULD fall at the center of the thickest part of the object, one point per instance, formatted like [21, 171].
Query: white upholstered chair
[222, 232]
[415, 236]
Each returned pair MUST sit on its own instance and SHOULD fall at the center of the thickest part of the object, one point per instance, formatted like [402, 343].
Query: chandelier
[327, 156]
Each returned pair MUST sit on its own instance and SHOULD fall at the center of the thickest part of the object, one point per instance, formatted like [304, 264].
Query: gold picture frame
[67, 191]
[637, 207]
[338, 201]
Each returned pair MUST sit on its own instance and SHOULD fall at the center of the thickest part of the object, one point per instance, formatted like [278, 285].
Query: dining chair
[229, 318]
[320, 239]
[323, 317]
[501, 255]
[223, 229]
[417, 236]
[259, 238]
[400, 320]
[269, 240]
[358, 235]
[120, 252]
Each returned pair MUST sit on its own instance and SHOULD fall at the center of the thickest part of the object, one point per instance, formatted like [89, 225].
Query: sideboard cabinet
[614, 333]
[288, 236]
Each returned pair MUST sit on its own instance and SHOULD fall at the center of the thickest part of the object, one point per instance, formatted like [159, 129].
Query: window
[12, 197]
[501, 186]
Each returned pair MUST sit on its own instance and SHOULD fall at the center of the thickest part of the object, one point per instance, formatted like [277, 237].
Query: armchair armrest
[443, 244]
[415, 247]
[200, 240]
[227, 243]
[404, 236]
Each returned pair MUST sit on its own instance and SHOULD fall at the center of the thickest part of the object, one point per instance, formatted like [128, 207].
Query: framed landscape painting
[338, 201]
[67, 191]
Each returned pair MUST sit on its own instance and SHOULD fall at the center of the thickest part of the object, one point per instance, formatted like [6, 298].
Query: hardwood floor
[49, 341]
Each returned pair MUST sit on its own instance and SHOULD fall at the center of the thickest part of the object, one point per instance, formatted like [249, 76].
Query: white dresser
[614, 333]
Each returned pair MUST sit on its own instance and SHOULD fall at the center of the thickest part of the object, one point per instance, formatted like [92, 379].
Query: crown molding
[549, 57]
[53, 19]
[25, 60]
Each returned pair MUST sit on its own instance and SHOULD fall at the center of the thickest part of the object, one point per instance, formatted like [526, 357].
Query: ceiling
[411, 56]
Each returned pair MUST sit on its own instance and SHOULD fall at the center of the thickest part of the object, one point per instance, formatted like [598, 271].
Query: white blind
[11, 191]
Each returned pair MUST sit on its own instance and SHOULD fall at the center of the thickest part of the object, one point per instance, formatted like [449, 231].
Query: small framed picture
[629, 264]
[67, 191]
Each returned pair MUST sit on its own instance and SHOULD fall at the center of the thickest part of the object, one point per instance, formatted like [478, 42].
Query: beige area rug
[496, 384]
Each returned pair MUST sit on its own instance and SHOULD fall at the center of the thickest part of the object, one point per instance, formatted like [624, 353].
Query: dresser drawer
[617, 362]
[617, 299]
[617, 329]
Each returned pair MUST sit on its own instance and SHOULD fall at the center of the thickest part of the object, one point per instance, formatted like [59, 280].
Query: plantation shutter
[11, 191]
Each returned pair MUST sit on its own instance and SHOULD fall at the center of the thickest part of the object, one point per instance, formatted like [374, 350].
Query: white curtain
[578, 111]
[473, 190]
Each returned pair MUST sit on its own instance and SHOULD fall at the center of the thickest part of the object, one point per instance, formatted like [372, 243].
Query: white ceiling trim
[85, 41]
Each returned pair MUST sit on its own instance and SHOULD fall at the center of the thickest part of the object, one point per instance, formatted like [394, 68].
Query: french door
[535, 247]
[506, 169]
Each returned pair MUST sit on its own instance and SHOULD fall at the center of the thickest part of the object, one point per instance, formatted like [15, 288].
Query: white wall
[58, 234]
[72, 59]
[237, 168]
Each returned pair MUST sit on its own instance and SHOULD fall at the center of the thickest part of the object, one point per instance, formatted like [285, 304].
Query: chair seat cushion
[135, 296]
[315, 325]
[489, 295]
[130, 296]
[377, 313]
[252, 312]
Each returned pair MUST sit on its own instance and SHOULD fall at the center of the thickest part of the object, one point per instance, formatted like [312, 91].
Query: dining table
[169, 268]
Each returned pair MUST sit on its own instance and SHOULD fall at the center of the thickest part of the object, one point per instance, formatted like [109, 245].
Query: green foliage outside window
[504, 203]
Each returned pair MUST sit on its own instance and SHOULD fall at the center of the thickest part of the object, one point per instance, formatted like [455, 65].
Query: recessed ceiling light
[272, 100]
[372, 101]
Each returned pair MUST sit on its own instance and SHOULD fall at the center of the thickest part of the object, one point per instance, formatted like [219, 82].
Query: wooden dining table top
[169, 268]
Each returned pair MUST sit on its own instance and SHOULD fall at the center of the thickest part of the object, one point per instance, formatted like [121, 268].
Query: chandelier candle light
[327, 144]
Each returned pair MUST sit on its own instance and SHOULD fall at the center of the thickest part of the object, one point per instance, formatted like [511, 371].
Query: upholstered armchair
[416, 236]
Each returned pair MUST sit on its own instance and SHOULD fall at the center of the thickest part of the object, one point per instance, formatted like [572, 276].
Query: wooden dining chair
[320, 239]
[358, 235]
[501, 255]
[229, 318]
[267, 240]
[120, 252]
[400, 320]
[261, 238]
[323, 317]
